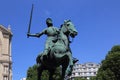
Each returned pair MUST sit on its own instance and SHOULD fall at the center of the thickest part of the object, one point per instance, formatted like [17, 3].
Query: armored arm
[37, 34]
[33, 35]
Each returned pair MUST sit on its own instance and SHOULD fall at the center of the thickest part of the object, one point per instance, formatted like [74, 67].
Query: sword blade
[30, 20]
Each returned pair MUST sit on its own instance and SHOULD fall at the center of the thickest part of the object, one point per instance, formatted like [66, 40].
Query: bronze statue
[51, 32]
[57, 50]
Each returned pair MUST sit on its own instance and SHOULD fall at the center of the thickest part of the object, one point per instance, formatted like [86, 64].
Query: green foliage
[79, 78]
[32, 74]
[110, 67]
[93, 78]
[57, 74]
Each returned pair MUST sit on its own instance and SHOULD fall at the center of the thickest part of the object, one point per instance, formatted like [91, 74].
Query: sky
[97, 23]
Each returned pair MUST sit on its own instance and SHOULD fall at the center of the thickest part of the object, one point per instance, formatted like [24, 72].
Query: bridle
[68, 29]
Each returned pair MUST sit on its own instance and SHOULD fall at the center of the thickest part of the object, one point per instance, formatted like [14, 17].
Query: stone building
[86, 70]
[5, 53]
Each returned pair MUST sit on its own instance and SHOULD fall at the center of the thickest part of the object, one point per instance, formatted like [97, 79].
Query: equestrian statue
[57, 50]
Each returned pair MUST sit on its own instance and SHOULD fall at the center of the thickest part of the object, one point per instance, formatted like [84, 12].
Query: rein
[68, 30]
[71, 40]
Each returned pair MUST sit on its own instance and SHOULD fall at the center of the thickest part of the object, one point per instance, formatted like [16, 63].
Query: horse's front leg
[70, 66]
[51, 74]
[70, 58]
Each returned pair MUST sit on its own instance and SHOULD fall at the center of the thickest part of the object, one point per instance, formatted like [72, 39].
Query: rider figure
[52, 34]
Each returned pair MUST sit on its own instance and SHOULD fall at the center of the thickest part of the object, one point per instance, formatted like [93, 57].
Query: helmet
[49, 21]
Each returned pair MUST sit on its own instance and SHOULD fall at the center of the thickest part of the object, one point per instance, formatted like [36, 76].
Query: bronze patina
[57, 49]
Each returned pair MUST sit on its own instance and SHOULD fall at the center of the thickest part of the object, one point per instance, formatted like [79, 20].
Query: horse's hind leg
[39, 72]
[64, 68]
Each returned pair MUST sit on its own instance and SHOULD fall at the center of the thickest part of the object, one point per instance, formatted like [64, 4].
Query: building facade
[86, 70]
[5, 53]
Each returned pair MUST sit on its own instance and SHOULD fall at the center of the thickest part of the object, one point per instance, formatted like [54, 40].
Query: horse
[59, 54]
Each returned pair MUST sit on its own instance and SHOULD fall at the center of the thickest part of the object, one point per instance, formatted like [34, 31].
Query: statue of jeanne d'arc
[57, 46]
[52, 34]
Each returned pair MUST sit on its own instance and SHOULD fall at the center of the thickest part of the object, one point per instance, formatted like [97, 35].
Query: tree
[93, 78]
[110, 67]
[32, 74]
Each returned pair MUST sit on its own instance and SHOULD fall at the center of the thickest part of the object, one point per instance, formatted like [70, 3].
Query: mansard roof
[5, 30]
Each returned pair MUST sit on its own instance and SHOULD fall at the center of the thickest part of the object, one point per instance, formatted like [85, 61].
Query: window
[73, 74]
[94, 68]
[85, 73]
[78, 73]
[89, 72]
[90, 64]
[89, 68]
[94, 73]
[0, 47]
[5, 78]
[6, 69]
[82, 65]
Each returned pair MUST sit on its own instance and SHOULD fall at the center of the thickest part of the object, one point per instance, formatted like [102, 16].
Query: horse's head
[69, 28]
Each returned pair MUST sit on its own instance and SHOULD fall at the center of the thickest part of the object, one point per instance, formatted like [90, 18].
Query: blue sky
[97, 22]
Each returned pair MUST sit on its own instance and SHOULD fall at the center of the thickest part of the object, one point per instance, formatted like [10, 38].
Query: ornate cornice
[5, 61]
[6, 32]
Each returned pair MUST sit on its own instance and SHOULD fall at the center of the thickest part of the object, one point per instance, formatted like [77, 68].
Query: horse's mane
[66, 21]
